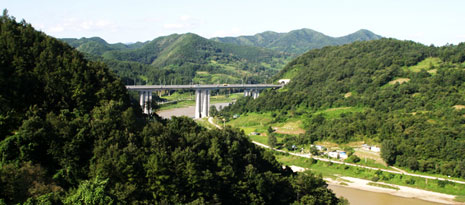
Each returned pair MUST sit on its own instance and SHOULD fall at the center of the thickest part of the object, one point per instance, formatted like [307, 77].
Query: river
[355, 196]
[185, 111]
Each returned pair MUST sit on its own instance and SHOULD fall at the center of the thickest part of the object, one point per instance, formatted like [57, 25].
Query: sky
[437, 22]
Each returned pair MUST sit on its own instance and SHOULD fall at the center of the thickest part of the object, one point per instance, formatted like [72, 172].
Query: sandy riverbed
[403, 191]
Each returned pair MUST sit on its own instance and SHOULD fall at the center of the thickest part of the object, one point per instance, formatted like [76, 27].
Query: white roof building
[284, 81]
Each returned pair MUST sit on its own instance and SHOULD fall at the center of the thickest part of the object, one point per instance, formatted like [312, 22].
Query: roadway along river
[355, 196]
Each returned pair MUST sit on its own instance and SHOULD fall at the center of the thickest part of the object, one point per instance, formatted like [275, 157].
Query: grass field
[252, 122]
[427, 64]
[332, 113]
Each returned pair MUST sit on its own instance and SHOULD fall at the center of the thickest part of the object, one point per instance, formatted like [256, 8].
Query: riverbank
[396, 190]
[334, 173]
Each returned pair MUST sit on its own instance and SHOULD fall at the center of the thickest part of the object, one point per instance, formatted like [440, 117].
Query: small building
[319, 147]
[365, 147]
[254, 133]
[333, 154]
[342, 155]
[375, 149]
[236, 116]
[284, 81]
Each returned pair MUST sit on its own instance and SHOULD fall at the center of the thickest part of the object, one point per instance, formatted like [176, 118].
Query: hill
[297, 41]
[70, 135]
[98, 46]
[184, 58]
[405, 96]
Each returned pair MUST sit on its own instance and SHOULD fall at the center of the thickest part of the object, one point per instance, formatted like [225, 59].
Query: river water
[355, 196]
[186, 111]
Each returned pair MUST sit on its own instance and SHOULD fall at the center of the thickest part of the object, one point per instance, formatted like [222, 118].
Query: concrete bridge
[202, 94]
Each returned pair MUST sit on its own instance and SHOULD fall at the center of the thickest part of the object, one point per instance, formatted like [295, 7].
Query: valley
[207, 113]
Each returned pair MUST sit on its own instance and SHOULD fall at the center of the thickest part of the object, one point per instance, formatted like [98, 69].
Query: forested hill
[70, 135]
[297, 41]
[404, 95]
[183, 58]
[98, 46]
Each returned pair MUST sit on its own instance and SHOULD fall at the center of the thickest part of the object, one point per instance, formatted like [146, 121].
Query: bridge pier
[202, 103]
[145, 99]
[202, 94]
[252, 92]
[255, 93]
[246, 92]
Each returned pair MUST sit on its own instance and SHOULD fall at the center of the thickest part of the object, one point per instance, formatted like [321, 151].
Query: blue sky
[427, 21]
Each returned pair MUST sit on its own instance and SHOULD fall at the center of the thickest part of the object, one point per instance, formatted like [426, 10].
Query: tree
[90, 192]
[213, 111]
[272, 141]
[270, 130]
[389, 152]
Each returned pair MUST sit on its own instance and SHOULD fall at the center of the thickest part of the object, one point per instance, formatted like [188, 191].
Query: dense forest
[408, 97]
[297, 41]
[183, 59]
[70, 134]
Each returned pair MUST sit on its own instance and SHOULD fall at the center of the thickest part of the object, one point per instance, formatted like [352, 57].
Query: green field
[332, 113]
[426, 64]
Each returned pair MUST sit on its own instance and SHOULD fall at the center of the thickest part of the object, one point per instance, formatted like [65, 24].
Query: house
[372, 148]
[375, 149]
[284, 81]
[319, 147]
[342, 155]
[254, 133]
[333, 154]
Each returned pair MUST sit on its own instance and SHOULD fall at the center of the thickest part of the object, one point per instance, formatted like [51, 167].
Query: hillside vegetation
[70, 135]
[297, 41]
[403, 95]
[184, 59]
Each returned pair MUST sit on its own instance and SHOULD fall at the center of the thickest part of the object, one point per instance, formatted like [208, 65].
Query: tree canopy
[70, 134]
[403, 95]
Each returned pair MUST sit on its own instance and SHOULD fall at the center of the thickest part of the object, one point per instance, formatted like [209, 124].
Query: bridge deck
[194, 87]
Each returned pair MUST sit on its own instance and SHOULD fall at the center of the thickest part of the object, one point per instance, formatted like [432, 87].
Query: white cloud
[79, 25]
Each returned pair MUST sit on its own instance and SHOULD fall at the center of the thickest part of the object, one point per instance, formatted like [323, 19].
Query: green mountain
[184, 58]
[98, 46]
[69, 134]
[408, 97]
[297, 41]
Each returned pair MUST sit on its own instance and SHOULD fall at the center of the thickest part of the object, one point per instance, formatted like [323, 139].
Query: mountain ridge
[297, 41]
[189, 58]
[184, 58]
